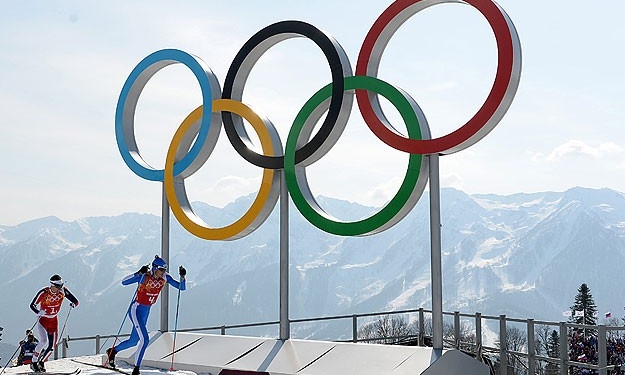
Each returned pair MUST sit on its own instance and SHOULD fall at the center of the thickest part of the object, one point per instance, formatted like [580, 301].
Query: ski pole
[65, 323]
[173, 349]
[10, 359]
[120, 326]
[18, 348]
[56, 344]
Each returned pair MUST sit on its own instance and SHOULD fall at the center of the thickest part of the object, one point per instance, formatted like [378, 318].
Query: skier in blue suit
[150, 285]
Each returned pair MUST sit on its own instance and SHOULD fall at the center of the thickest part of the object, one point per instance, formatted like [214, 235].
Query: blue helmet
[159, 263]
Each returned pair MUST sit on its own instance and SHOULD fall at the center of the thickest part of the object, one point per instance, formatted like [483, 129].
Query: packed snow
[68, 365]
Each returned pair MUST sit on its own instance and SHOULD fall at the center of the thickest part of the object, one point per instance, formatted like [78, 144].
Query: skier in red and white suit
[47, 304]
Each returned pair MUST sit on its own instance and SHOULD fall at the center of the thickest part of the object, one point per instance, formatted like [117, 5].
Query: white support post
[164, 327]
[435, 244]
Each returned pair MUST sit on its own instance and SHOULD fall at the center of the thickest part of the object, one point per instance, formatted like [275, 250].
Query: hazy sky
[63, 64]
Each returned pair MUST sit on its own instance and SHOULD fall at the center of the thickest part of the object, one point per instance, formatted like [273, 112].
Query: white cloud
[575, 148]
[383, 193]
[225, 190]
[452, 180]
[537, 157]
[234, 182]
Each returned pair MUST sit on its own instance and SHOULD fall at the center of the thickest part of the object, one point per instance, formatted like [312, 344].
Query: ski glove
[143, 270]
[182, 271]
[72, 305]
[41, 312]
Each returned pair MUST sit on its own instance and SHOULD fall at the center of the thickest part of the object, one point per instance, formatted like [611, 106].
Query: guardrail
[522, 352]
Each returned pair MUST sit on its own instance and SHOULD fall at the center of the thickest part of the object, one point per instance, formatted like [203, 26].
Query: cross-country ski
[115, 369]
[75, 372]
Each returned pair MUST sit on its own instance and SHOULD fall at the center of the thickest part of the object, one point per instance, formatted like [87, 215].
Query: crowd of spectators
[583, 348]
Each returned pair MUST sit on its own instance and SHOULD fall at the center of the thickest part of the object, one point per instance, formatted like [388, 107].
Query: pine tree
[553, 351]
[553, 345]
[585, 304]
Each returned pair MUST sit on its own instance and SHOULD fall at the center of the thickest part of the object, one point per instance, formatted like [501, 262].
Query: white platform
[204, 353]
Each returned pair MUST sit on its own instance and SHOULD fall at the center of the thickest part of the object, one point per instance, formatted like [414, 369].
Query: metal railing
[514, 351]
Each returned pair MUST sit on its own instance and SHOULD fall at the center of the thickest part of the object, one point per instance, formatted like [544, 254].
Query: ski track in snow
[67, 365]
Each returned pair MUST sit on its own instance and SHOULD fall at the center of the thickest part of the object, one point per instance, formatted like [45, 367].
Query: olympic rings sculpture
[197, 136]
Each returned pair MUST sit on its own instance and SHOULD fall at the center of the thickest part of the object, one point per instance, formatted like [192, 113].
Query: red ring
[448, 143]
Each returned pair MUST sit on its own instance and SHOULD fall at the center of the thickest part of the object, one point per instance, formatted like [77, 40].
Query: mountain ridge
[502, 254]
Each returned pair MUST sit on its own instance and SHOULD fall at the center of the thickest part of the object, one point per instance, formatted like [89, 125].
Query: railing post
[478, 332]
[223, 330]
[602, 351]
[503, 346]
[457, 329]
[97, 344]
[354, 328]
[531, 347]
[421, 327]
[564, 350]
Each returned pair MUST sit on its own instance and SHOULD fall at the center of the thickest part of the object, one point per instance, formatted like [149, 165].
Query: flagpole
[584, 320]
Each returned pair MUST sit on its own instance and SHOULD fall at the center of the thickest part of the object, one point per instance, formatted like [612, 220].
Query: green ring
[377, 222]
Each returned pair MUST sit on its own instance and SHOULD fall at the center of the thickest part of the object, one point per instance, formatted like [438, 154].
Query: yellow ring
[186, 217]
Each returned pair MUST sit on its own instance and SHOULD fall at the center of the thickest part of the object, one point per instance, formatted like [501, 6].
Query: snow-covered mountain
[523, 255]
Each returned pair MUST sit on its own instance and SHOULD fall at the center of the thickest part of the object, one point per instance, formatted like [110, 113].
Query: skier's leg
[134, 335]
[43, 340]
[144, 338]
[52, 340]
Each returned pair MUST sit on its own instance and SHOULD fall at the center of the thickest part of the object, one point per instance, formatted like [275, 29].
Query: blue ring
[165, 57]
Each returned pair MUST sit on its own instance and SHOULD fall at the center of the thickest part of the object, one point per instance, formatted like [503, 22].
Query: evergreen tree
[584, 305]
[553, 351]
[553, 345]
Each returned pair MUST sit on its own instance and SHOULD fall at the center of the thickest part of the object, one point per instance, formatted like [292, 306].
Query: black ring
[330, 50]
